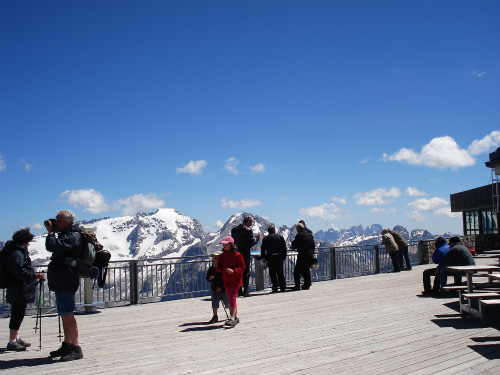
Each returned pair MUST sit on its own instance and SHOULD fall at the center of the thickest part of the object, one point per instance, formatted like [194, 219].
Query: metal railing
[154, 280]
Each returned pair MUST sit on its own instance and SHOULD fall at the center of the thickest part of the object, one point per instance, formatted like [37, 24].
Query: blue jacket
[440, 254]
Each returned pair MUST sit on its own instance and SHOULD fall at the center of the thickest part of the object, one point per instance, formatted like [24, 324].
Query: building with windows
[480, 208]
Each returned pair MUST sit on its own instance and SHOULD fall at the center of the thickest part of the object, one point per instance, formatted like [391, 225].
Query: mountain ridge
[168, 233]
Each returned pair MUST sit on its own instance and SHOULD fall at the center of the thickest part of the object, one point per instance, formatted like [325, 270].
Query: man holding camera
[244, 240]
[64, 279]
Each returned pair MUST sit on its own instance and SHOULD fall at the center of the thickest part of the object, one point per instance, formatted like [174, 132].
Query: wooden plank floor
[365, 325]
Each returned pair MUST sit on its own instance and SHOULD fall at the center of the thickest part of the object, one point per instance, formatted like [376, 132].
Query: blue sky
[336, 112]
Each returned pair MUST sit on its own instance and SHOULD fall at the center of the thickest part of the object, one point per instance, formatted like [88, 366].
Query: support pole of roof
[377, 258]
[333, 264]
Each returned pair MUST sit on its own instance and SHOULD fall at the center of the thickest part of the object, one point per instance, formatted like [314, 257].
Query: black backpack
[92, 261]
[4, 275]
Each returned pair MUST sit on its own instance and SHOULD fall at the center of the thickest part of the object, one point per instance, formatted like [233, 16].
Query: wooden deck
[365, 325]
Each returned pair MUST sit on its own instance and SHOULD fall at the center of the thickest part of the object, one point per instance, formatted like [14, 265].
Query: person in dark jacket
[21, 288]
[64, 279]
[273, 250]
[217, 286]
[304, 244]
[244, 241]
[458, 255]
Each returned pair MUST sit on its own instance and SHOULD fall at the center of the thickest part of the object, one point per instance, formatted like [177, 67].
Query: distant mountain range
[167, 233]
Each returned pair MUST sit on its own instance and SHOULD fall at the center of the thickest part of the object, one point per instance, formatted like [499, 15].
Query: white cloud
[140, 202]
[3, 165]
[259, 168]
[232, 165]
[244, 203]
[193, 167]
[424, 204]
[283, 199]
[219, 224]
[28, 167]
[89, 200]
[416, 209]
[340, 200]
[388, 210]
[478, 74]
[481, 146]
[446, 212]
[37, 226]
[377, 197]
[441, 152]
[414, 192]
[327, 211]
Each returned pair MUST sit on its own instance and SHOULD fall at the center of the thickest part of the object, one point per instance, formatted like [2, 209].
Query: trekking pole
[39, 311]
[59, 320]
[223, 304]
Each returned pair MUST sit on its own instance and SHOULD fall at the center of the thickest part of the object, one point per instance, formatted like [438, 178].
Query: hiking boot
[74, 354]
[23, 343]
[214, 319]
[62, 351]
[15, 347]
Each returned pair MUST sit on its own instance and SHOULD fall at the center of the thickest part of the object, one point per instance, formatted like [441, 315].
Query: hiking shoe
[305, 287]
[74, 354]
[62, 351]
[236, 321]
[23, 343]
[296, 287]
[15, 347]
[214, 319]
[230, 323]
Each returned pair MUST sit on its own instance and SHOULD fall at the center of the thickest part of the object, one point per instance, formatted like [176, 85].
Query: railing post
[88, 296]
[259, 276]
[333, 264]
[134, 293]
[377, 259]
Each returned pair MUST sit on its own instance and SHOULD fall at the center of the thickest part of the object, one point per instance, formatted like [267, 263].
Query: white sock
[12, 341]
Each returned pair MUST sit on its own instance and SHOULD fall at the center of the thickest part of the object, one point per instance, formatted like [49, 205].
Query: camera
[50, 222]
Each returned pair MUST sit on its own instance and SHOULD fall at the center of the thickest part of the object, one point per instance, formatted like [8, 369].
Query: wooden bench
[475, 299]
[482, 307]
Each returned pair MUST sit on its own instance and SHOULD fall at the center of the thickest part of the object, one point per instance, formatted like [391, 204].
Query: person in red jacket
[232, 266]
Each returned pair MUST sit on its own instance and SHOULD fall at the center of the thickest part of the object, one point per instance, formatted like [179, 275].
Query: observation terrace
[376, 324]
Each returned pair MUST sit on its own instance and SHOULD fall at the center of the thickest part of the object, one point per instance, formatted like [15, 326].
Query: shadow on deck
[366, 325]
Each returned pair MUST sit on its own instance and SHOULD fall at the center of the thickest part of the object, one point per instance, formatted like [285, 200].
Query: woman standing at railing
[232, 266]
[21, 282]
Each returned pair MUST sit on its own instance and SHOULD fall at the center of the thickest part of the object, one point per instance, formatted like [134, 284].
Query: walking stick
[39, 311]
[223, 304]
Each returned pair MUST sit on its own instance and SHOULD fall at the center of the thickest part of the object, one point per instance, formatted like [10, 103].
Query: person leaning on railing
[391, 248]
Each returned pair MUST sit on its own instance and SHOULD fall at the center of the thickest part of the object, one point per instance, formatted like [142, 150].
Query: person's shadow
[13, 363]
[200, 326]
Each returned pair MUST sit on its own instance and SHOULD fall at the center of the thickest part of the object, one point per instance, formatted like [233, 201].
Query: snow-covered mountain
[167, 233]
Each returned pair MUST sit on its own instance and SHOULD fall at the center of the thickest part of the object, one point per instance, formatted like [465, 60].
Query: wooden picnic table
[491, 252]
[470, 302]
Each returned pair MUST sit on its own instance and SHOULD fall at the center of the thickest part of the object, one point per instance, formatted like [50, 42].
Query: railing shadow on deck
[155, 280]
